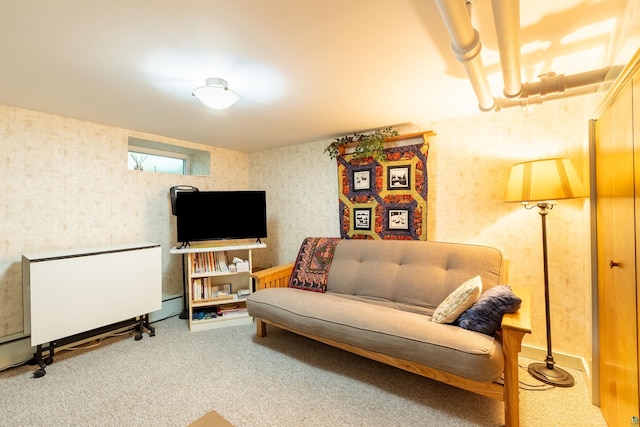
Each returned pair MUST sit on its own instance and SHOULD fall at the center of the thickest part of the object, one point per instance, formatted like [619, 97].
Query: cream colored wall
[471, 160]
[468, 166]
[66, 185]
[301, 184]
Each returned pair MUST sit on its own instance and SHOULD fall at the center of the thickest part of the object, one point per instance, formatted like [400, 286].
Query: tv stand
[205, 274]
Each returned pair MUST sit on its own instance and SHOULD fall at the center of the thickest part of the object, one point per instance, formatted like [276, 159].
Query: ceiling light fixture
[216, 94]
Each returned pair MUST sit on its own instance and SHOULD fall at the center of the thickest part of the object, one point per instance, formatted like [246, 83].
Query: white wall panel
[69, 292]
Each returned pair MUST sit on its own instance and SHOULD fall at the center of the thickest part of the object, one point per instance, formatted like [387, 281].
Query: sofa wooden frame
[514, 328]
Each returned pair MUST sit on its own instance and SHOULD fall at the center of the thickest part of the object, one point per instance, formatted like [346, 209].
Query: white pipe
[552, 87]
[539, 99]
[465, 43]
[506, 17]
[551, 82]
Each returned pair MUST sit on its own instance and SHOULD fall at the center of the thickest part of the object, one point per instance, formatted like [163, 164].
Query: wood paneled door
[617, 166]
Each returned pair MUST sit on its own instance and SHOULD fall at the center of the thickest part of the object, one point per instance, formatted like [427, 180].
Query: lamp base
[556, 376]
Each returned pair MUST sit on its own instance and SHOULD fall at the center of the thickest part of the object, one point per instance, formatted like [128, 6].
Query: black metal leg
[40, 372]
[185, 312]
[139, 329]
[152, 329]
[143, 323]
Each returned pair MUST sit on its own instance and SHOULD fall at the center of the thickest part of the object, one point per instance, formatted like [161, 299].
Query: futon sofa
[432, 308]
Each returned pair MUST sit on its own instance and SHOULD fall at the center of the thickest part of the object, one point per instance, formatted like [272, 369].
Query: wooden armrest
[273, 277]
[514, 327]
[521, 319]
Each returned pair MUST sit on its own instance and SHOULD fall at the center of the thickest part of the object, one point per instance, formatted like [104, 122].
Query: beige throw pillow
[458, 301]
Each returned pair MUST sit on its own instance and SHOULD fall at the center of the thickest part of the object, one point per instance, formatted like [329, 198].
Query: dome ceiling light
[216, 94]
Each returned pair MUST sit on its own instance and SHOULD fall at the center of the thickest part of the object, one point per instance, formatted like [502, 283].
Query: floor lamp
[540, 183]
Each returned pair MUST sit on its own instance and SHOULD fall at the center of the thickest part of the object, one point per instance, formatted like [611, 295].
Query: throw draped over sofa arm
[514, 328]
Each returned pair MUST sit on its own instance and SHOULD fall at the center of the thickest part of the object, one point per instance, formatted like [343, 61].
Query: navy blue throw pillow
[485, 315]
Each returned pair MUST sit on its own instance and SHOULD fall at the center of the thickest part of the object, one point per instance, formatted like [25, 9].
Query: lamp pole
[547, 372]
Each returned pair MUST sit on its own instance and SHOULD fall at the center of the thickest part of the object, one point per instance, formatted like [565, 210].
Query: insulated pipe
[552, 87]
[506, 17]
[539, 99]
[465, 43]
[552, 83]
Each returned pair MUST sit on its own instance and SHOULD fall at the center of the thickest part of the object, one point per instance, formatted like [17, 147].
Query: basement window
[157, 161]
[153, 156]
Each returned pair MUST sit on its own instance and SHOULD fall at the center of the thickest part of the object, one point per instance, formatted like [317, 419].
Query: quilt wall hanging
[386, 198]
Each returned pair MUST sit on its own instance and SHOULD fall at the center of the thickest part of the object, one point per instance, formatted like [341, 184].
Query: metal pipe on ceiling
[465, 43]
[506, 18]
[552, 82]
[539, 99]
[554, 86]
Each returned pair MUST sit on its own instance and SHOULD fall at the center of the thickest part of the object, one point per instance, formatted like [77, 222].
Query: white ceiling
[306, 70]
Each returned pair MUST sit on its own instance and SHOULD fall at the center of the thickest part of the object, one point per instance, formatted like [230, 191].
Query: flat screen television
[219, 215]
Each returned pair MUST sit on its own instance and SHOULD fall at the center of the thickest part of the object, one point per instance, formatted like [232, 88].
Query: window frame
[186, 165]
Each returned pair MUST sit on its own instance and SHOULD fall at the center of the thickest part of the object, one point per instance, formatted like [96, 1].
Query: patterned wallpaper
[66, 185]
[468, 166]
[302, 195]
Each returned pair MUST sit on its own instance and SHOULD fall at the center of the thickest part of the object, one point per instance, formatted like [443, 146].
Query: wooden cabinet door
[617, 308]
[636, 156]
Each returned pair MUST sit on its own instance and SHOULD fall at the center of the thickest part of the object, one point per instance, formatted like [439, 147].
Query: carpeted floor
[177, 377]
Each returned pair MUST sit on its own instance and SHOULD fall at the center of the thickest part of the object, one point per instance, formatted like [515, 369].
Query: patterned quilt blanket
[311, 269]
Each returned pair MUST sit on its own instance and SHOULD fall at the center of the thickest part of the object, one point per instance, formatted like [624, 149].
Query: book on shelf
[202, 289]
[232, 313]
[194, 263]
[221, 261]
[196, 292]
[237, 309]
[208, 262]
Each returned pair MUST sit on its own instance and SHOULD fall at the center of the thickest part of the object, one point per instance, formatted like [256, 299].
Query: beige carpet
[177, 377]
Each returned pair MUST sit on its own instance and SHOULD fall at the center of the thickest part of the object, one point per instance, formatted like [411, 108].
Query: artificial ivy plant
[368, 145]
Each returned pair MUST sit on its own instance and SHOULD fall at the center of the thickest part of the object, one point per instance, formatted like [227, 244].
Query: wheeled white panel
[69, 292]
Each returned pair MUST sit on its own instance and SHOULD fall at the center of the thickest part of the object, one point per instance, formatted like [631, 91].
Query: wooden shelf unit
[239, 280]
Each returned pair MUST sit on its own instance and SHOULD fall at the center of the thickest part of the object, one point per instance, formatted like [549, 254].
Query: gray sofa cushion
[406, 335]
[410, 275]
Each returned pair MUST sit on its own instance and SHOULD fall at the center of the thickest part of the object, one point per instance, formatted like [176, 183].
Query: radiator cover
[73, 291]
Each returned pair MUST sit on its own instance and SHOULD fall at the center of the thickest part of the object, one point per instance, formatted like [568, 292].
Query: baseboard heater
[73, 294]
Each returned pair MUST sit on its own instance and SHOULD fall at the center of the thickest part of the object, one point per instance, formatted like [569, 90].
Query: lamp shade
[543, 180]
[216, 94]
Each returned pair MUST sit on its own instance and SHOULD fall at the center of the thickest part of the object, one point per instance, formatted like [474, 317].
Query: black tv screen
[215, 215]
